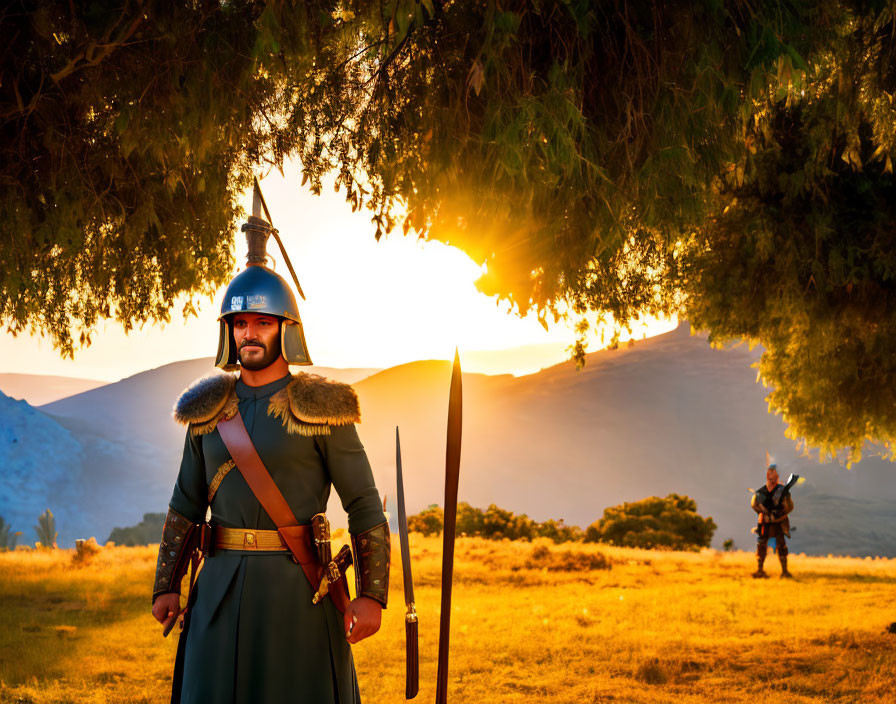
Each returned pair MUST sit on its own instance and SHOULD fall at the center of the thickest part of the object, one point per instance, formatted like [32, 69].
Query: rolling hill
[667, 414]
[38, 389]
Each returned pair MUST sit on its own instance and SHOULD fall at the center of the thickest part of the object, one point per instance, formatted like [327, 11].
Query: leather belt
[249, 539]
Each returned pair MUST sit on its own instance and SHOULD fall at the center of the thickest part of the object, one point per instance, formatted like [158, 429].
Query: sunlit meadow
[531, 622]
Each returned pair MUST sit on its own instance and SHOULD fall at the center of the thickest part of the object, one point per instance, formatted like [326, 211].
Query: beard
[256, 364]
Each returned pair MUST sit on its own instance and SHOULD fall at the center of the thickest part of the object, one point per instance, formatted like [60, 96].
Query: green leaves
[669, 523]
[727, 163]
[120, 180]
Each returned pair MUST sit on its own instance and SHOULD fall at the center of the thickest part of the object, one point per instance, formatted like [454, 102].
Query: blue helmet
[258, 289]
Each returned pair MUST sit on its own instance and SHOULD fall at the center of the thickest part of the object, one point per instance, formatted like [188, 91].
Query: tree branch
[106, 49]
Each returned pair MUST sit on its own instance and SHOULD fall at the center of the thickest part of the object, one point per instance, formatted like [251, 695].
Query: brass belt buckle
[250, 541]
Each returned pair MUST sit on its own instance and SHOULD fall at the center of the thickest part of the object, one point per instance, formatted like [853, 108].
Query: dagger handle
[412, 675]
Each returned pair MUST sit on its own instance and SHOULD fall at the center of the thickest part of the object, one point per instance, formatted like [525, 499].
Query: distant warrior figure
[773, 504]
[269, 619]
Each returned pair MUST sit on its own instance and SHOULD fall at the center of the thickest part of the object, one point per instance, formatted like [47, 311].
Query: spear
[452, 476]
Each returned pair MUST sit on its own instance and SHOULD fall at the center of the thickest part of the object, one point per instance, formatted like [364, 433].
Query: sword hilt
[334, 570]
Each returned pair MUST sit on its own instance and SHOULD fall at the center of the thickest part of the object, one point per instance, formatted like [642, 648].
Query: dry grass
[657, 627]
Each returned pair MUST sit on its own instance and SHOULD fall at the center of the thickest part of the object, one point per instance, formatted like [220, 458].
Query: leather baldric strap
[297, 537]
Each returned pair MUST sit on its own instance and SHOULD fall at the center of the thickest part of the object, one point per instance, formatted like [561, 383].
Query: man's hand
[362, 619]
[762, 518]
[166, 609]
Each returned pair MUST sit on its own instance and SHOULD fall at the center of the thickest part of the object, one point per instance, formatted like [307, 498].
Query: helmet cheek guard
[292, 343]
[227, 352]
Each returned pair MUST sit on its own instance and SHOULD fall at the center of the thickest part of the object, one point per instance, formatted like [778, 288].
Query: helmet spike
[258, 204]
[257, 230]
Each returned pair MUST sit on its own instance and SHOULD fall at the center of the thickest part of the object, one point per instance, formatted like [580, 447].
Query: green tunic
[253, 636]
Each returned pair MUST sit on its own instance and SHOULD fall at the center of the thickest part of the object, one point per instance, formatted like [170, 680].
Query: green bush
[493, 523]
[429, 521]
[500, 524]
[671, 523]
[558, 531]
[470, 521]
[147, 532]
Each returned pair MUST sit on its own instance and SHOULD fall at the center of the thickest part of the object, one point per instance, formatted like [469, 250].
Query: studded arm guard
[372, 549]
[179, 540]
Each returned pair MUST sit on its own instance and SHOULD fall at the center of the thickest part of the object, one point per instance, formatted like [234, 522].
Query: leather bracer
[179, 540]
[372, 550]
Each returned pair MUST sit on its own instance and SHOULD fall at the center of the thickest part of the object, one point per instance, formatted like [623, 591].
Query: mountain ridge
[39, 389]
[666, 414]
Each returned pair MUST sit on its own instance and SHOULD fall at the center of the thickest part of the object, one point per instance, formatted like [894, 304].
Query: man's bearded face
[257, 339]
[771, 478]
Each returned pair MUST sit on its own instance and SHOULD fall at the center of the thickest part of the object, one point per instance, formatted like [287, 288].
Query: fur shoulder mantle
[308, 405]
[206, 401]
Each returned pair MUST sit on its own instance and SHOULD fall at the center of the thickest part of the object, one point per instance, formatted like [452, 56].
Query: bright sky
[370, 304]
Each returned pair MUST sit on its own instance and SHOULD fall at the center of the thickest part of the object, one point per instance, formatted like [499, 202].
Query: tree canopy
[727, 162]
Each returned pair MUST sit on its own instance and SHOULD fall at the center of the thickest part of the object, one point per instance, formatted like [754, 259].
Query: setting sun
[369, 303]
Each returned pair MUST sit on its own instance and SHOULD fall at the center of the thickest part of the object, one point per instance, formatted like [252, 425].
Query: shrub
[671, 523]
[543, 557]
[470, 521]
[84, 551]
[429, 521]
[500, 523]
[651, 671]
[493, 523]
[559, 532]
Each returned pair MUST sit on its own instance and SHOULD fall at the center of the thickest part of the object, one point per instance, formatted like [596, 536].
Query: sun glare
[369, 303]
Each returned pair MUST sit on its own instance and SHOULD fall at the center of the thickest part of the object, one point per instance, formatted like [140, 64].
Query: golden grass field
[656, 627]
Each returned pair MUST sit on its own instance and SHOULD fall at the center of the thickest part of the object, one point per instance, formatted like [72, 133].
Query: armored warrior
[269, 619]
[772, 503]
